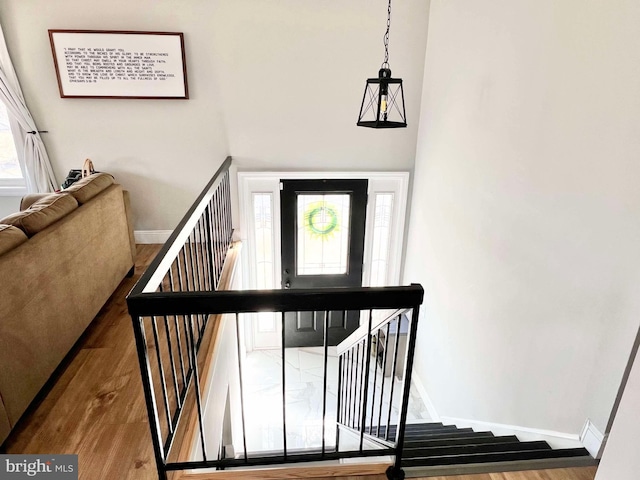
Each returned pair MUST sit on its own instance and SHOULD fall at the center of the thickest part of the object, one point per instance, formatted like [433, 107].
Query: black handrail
[244, 301]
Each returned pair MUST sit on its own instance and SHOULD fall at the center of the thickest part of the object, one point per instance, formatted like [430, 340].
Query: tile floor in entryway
[262, 381]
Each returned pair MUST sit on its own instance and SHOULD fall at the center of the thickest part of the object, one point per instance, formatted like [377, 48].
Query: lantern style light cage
[383, 99]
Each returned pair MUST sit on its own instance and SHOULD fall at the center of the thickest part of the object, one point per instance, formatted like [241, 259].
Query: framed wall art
[119, 64]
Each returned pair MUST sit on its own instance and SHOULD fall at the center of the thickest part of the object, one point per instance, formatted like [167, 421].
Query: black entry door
[322, 238]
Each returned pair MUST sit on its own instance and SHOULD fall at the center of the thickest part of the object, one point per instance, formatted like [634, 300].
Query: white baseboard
[592, 439]
[433, 413]
[555, 439]
[151, 236]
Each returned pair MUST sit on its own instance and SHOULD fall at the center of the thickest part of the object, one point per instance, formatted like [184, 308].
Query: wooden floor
[587, 473]
[96, 406]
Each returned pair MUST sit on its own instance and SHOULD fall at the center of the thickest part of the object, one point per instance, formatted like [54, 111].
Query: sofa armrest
[30, 199]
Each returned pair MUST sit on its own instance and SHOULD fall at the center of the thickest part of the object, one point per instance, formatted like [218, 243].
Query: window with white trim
[11, 174]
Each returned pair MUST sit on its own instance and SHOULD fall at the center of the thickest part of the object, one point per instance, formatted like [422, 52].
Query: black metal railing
[171, 307]
[191, 260]
[372, 398]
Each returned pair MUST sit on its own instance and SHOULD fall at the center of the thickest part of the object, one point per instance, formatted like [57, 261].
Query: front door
[322, 241]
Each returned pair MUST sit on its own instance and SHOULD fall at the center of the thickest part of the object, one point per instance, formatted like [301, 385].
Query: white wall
[163, 151]
[275, 83]
[620, 460]
[293, 77]
[9, 205]
[526, 224]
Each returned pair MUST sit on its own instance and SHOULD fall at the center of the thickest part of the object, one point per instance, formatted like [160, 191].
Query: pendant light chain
[383, 98]
[385, 64]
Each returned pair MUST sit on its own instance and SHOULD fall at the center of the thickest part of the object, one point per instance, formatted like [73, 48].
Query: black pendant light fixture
[383, 99]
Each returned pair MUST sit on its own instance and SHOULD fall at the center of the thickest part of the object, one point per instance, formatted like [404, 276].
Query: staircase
[438, 445]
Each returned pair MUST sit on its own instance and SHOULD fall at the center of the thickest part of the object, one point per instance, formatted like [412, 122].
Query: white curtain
[38, 171]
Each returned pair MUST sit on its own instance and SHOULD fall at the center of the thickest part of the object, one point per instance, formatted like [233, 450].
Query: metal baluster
[393, 377]
[324, 387]
[375, 380]
[244, 433]
[207, 221]
[411, 347]
[198, 234]
[180, 352]
[181, 265]
[350, 390]
[362, 384]
[215, 222]
[229, 213]
[216, 249]
[188, 343]
[203, 252]
[185, 286]
[173, 365]
[194, 283]
[163, 383]
[223, 211]
[183, 252]
[222, 242]
[204, 244]
[197, 387]
[339, 406]
[346, 387]
[384, 371]
[169, 345]
[199, 260]
[212, 240]
[175, 320]
[284, 400]
[192, 264]
[193, 255]
[366, 382]
[357, 390]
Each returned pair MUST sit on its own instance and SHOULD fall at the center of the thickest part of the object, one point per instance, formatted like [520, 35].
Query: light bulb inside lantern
[383, 107]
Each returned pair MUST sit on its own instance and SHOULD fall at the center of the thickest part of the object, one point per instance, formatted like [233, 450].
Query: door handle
[287, 285]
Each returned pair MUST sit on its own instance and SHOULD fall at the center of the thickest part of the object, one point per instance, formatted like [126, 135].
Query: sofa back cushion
[87, 188]
[42, 213]
[10, 238]
[31, 198]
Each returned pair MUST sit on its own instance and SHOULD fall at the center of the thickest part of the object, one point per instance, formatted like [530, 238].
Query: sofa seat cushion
[87, 188]
[10, 238]
[42, 213]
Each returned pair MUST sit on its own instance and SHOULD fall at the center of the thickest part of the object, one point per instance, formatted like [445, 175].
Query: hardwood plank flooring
[584, 473]
[95, 406]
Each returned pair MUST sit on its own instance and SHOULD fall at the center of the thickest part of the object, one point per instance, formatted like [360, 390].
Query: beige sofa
[61, 258]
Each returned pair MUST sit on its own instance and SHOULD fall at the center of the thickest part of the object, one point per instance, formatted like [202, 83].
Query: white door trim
[396, 183]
